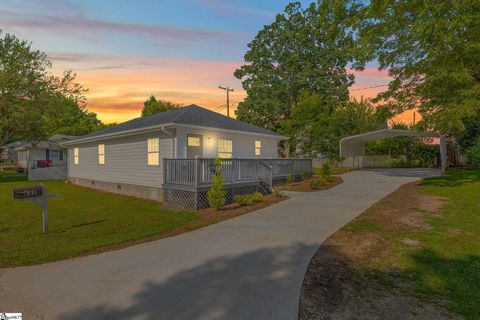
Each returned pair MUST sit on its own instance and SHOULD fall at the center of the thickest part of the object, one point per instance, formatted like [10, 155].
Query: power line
[380, 85]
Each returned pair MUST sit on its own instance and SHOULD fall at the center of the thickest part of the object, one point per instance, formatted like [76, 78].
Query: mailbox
[27, 192]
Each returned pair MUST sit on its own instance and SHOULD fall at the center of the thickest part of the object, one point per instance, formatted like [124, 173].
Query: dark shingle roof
[189, 115]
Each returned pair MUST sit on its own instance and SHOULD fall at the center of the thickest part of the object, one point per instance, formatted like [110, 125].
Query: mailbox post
[37, 195]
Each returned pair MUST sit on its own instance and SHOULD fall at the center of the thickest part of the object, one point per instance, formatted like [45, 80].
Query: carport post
[443, 154]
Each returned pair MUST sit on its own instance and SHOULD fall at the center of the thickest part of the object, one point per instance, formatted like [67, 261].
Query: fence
[48, 173]
[186, 181]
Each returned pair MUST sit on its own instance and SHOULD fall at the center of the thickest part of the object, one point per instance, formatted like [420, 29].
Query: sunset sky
[125, 51]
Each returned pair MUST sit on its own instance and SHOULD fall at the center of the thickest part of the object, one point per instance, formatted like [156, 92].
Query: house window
[54, 155]
[225, 148]
[153, 148]
[193, 141]
[258, 147]
[101, 154]
[75, 155]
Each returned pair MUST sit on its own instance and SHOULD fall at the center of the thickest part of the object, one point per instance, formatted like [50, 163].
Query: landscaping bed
[413, 255]
[305, 185]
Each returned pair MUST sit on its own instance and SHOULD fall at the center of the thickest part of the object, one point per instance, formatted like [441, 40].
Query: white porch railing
[48, 173]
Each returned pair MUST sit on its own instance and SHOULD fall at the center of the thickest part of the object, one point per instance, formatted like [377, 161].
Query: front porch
[187, 181]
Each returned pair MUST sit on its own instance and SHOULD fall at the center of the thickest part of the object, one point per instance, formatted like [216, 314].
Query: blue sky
[124, 51]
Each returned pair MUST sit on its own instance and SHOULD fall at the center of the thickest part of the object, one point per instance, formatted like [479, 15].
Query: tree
[65, 116]
[303, 51]
[432, 50]
[318, 123]
[27, 88]
[152, 106]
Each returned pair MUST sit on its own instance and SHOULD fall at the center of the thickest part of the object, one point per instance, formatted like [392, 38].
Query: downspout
[172, 136]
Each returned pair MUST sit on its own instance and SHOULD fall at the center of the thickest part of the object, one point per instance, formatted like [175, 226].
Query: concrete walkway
[250, 267]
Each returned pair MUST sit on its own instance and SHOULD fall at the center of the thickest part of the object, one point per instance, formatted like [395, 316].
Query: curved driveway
[250, 267]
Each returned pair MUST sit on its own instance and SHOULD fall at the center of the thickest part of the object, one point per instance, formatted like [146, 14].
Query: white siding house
[128, 158]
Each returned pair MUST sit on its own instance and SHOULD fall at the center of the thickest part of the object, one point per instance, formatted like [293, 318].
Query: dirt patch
[340, 282]
[305, 185]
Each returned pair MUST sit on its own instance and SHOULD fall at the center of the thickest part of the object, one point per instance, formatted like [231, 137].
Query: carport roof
[387, 133]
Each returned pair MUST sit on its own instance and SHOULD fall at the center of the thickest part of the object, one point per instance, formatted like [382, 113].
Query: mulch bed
[304, 185]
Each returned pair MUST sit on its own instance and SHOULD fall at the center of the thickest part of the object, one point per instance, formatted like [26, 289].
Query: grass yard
[11, 176]
[81, 221]
[413, 255]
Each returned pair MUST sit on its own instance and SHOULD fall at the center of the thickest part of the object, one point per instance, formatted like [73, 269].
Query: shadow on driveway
[269, 279]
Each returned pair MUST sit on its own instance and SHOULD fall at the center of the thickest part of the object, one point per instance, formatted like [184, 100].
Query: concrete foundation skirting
[143, 192]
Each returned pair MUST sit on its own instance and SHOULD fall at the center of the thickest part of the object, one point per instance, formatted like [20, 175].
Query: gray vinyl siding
[243, 144]
[125, 160]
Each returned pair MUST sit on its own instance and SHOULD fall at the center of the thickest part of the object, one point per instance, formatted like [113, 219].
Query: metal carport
[352, 149]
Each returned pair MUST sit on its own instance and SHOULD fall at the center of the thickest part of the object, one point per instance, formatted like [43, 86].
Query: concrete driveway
[250, 267]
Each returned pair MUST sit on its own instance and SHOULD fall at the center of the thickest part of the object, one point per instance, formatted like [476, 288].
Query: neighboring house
[128, 158]
[31, 155]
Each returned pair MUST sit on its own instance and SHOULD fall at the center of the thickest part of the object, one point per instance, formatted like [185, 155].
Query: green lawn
[448, 264]
[445, 264]
[10, 176]
[81, 221]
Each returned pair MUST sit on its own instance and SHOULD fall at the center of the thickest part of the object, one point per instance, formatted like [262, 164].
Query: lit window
[101, 154]
[153, 148]
[75, 155]
[225, 148]
[194, 141]
[258, 147]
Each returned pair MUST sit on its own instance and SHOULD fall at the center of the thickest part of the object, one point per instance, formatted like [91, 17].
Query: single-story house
[128, 158]
[31, 155]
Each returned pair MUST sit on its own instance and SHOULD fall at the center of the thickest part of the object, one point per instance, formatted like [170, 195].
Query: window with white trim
[152, 150]
[75, 155]
[258, 148]
[225, 148]
[101, 154]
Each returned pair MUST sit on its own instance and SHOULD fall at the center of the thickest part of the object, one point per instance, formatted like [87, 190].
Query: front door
[194, 145]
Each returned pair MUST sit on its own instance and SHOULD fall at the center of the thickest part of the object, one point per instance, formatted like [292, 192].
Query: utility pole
[227, 89]
[414, 113]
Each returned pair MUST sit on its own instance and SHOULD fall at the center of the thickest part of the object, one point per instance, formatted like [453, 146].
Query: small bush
[277, 193]
[249, 199]
[326, 171]
[289, 178]
[318, 183]
[217, 194]
[473, 154]
[257, 197]
[306, 175]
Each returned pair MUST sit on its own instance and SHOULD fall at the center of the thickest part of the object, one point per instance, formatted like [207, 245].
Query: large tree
[318, 123]
[432, 50]
[153, 105]
[27, 88]
[305, 50]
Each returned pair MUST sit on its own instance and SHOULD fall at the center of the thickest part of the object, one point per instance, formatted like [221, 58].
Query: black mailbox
[27, 192]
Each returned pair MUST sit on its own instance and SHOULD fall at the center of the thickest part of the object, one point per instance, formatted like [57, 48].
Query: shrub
[306, 175]
[317, 183]
[326, 171]
[289, 178]
[473, 154]
[249, 199]
[277, 193]
[217, 194]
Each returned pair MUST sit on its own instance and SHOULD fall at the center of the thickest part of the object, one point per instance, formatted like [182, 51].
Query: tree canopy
[153, 105]
[432, 50]
[302, 51]
[34, 103]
